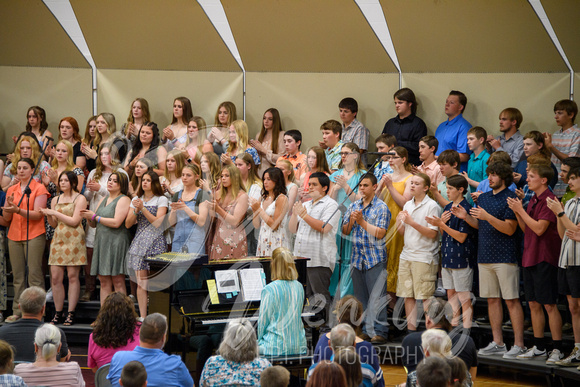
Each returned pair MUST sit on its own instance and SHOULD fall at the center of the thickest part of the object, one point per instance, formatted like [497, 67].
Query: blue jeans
[370, 288]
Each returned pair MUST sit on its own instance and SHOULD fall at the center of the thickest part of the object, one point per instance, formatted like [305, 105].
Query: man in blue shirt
[162, 369]
[452, 134]
[368, 219]
[497, 258]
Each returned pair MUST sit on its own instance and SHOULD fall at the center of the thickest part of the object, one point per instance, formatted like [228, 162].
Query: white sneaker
[514, 352]
[531, 353]
[554, 356]
[573, 359]
[440, 291]
[49, 295]
[492, 349]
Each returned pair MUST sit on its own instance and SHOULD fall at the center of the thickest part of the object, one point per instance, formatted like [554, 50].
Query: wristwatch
[561, 214]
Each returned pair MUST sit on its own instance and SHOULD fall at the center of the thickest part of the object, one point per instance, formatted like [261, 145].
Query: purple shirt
[546, 247]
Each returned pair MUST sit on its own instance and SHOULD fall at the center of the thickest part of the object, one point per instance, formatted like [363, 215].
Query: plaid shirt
[10, 380]
[368, 251]
[333, 156]
[356, 132]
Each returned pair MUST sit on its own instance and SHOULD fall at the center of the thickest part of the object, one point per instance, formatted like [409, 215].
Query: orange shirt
[17, 230]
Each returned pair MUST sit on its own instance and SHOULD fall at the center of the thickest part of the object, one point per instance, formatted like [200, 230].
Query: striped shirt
[368, 251]
[570, 251]
[568, 142]
[60, 375]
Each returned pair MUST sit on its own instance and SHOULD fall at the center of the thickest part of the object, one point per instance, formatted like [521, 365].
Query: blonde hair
[283, 267]
[196, 170]
[70, 164]
[236, 182]
[321, 162]
[289, 167]
[241, 137]
[179, 163]
[111, 126]
[356, 150]
[34, 156]
[101, 167]
[215, 169]
[232, 115]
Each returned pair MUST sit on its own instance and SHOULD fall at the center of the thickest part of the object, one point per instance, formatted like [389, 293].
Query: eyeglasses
[346, 153]
[393, 157]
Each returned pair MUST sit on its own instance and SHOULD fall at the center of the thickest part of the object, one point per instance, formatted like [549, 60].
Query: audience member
[238, 362]
[435, 343]
[433, 372]
[368, 219]
[116, 329]
[6, 367]
[46, 369]
[407, 128]
[162, 369]
[134, 374]
[352, 129]
[275, 376]
[20, 334]
[280, 326]
[452, 133]
[510, 140]
[350, 363]
[327, 374]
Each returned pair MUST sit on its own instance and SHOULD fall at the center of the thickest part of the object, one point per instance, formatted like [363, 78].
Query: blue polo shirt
[456, 255]
[453, 135]
[495, 246]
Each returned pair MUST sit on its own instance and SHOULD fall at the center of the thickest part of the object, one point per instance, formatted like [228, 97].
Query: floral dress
[229, 242]
[270, 239]
[221, 372]
[149, 240]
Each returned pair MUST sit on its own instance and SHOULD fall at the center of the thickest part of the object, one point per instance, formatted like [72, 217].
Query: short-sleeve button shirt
[545, 247]
[455, 254]
[495, 246]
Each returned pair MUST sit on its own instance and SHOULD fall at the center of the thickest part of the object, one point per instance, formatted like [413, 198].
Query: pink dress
[99, 356]
[229, 242]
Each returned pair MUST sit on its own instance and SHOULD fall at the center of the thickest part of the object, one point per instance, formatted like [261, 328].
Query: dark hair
[28, 161]
[514, 115]
[437, 310]
[323, 179]
[349, 311]
[40, 113]
[296, 135]
[371, 177]
[572, 162]
[134, 179]
[500, 157]
[276, 128]
[433, 371]
[155, 184]
[327, 374]
[351, 364]
[133, 374]
[407, 95]
[116, 322]
[431, 141]
[387, 139]
[333, 125]
[451, 157]
[348, 103]
[187, 110]
[502, 170]
[123, 181]
[277, 176]
[458, 181]
[565, 104]
[72, 178]
[573, 171]
[458, 371]
[544, 171]
[462, 98]
[137, 145]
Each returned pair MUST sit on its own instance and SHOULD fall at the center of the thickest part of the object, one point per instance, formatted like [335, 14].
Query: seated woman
[280, 326]
[238, 362]
[349, 311]
[46, 370]
[116, 329]
[6, 366]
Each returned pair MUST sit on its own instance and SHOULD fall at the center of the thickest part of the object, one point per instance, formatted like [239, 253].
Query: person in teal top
[342, 183]
[280, 326]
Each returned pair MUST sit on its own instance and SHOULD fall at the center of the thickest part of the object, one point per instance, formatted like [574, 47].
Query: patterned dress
[270, 239]
[68, 243]
[221, 372]
[149, 240]
[229, 242]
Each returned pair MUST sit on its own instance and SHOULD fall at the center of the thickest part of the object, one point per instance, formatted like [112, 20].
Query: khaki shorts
[416, 279]
[460, 280]
[499, 280]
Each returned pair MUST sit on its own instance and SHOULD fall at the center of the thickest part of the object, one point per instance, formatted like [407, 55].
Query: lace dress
[229, 242]
[270, 239]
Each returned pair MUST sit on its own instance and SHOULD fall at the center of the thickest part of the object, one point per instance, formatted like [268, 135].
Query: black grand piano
[192, 283]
